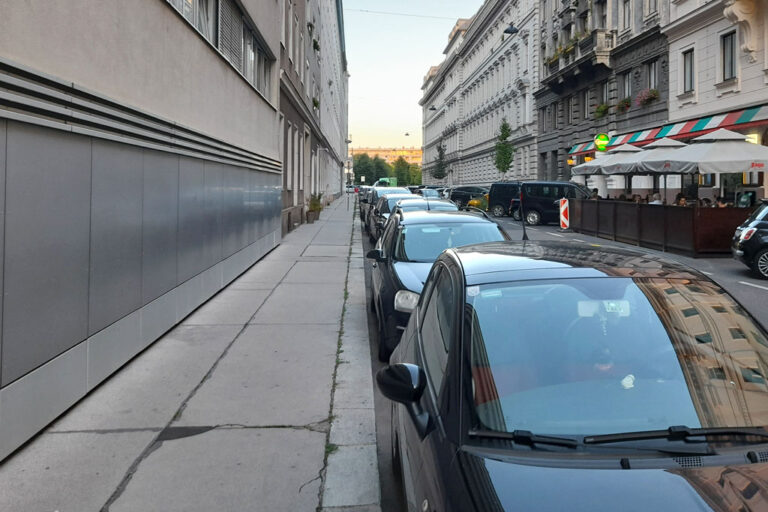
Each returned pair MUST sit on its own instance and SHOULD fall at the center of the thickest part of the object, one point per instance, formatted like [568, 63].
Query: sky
[388, 56]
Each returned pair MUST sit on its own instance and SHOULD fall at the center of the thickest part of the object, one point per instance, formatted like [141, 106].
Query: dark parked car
[380, 213]
[547, 376]
[404, 255]
[540, 200]
[410, 205]
[750, 241]
[501, 195]
[462, 195]
[373, 196]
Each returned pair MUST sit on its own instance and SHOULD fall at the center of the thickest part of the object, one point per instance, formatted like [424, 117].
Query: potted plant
[316, 45]
[624, 105]
[315, 206]
[646, 97]
[315, 102]
[601, 110]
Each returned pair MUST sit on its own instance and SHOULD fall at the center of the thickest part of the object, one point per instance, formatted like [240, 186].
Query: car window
[423, 243]
[437, 328]
[604, 355]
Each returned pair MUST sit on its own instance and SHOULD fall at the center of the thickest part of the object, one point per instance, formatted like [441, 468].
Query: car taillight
[747, 234]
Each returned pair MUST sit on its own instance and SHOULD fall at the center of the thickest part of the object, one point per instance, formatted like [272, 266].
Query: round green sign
[601, 141]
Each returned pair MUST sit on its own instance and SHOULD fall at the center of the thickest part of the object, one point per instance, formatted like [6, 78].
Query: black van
[501, 195]
[540, 200]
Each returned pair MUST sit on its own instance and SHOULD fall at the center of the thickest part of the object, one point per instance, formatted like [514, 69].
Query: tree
[414, 172]
[505, 151]
[363, 166]
[402, 172]
[440, 169]
[381, 169]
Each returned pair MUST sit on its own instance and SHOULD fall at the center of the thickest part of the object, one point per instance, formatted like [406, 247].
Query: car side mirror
[376, 254]
[404, 384]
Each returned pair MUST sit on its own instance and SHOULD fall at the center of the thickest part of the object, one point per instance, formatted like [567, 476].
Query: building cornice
[693, 21]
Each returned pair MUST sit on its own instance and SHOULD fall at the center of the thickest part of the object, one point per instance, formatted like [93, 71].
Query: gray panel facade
[160, 223]
[211, 225]
[115, 285]
[46, 246]
[3, 135]
[191, 215]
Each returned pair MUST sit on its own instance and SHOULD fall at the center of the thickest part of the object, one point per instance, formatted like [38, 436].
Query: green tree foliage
[440, 169]
[402, 172]
[363, 166]
[414, 172]
[505, 151]
[381, 169]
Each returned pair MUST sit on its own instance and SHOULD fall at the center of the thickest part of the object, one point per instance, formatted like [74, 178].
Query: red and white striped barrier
[565, 216]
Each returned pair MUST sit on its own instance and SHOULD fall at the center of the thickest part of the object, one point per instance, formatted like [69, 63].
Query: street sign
[601, 141]
[565, 216]
[362, 179]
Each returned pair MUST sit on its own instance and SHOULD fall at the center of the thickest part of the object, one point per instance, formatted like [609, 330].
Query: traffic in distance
[624, 379]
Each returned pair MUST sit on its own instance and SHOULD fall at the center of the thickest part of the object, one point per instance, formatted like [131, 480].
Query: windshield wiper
[525, 437]
[674, 433]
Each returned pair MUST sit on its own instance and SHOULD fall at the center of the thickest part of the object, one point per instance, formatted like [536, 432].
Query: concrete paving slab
[228, 307]
[69, 472]
[229, 470]
[340, 251]
[353, 426]
[352, 477]
[302, 304]
[148, 391]
[249, 285]
[271, 271]
[272, 375]
[318, 272]
[353, 389]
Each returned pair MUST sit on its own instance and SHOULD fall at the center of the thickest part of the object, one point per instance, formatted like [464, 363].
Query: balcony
[577, 55]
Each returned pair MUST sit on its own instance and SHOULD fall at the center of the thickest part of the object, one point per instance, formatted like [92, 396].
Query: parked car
[540, 200]
[462, 195]
[750, 241]
[350, 189]
[501, 195]
[410, 205]
[550, 376]
[361, 200]
[373, 196]
[403, 255]
[380, 213]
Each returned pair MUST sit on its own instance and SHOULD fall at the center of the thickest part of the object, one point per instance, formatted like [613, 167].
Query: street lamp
[511, 30]
[433, 108]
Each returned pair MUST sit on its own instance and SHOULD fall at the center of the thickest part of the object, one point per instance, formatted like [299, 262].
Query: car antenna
[522, 215]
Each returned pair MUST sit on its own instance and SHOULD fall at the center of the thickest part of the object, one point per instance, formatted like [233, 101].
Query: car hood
[497, 485]
[412, 275]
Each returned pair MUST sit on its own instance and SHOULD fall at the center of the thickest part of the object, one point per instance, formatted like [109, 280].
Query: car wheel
[498, 210]
[516, 214]
[532, 217]
[760, 264]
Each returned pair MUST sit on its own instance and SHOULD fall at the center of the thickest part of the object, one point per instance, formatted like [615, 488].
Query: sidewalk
[261, 399]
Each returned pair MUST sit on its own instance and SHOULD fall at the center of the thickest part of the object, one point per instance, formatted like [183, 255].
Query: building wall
[487, 77]
[131, 193]
[144, 54]
[699, 26]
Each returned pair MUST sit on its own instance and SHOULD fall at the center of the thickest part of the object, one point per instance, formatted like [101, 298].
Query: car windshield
[390, 204]
[410, 206]
[424, 242]
[428, 192]
[608, 355]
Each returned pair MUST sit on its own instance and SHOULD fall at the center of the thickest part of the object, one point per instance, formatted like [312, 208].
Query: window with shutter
[231, 33]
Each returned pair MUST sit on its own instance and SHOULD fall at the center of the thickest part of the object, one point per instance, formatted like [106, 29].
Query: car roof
[518, 260]
[395, 195]
[422, 200]
[423, 216]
